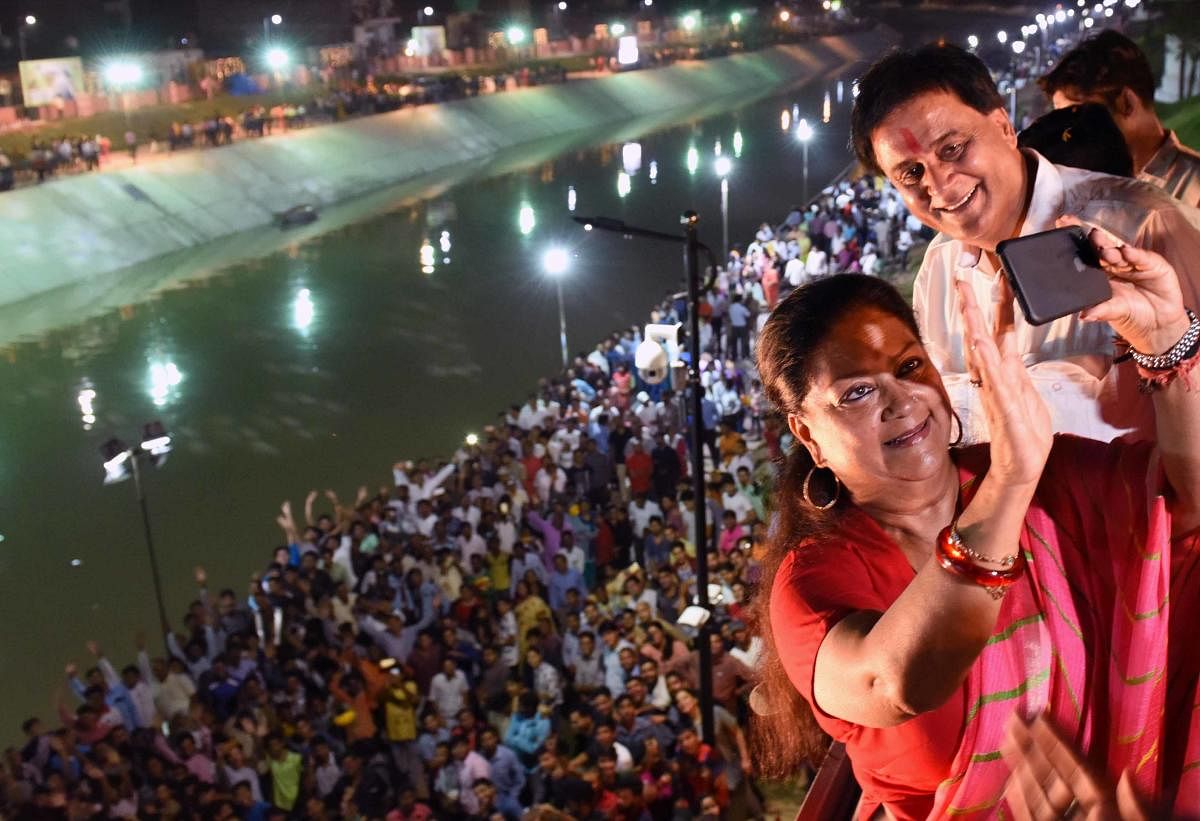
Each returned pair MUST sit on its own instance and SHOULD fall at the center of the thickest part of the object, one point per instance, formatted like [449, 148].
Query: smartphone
[1053, 274]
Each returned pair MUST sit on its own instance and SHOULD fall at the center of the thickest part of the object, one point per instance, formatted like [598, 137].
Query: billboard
[43, 82]
[428, 40]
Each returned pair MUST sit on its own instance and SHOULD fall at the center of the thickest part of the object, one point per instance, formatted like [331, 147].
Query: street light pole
[806, 172]
[804, 132]
[562, 321]
[135, 459]
[692, 249]
[691, 224]
[268, 21]
[29, 21]
[725, 217]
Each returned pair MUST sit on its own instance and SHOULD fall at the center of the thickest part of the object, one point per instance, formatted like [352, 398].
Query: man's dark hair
[1081, 136]
[902, 75]
[1103, 65]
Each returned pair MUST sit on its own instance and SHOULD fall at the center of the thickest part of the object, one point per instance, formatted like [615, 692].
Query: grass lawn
[149, 122]
[1184, 119]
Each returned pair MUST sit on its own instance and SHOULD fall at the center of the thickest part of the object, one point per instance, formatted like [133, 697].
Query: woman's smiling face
[875, 413]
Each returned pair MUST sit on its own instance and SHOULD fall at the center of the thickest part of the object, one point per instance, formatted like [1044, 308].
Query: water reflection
[427, 256]
[303, 311]
[693, 160]
[631, 158]
[571, 198]
[444, 244]
[653, 172]
[165, 378]
[526, 220]
[624, 186]
[827, 106]
[737, 144]
[86, 400]
[785, 120]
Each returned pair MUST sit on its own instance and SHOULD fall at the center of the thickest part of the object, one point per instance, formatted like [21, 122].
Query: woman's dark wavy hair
[784, 733]
[900, 76]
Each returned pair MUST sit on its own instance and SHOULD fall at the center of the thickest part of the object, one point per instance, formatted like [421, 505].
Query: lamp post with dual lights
[555, 263]
[723, 166]
[122, 462]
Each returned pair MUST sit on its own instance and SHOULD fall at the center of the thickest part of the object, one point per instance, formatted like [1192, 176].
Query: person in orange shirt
[352, 692]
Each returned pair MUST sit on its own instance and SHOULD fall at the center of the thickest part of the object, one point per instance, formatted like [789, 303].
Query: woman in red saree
[897, 636]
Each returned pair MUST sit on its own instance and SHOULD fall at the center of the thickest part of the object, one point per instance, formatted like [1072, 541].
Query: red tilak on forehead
[911, 144]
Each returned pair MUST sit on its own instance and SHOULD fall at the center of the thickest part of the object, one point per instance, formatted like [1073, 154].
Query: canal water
[319, 366]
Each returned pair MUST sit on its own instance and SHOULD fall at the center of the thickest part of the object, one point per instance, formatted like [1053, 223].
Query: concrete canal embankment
[79, 228]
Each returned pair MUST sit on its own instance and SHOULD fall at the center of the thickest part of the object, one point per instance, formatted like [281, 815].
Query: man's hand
[72, 669]
[201, 576]
[93, 648]
[311, 497]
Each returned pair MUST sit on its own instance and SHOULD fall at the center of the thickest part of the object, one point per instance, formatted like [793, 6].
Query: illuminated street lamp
[617, 29]
[555, 263]
[268, 21]
[123, 73]
[29, 22]
[736, 18]
[121, 462]
[972, 41]
[689, 22]
[784, 16]
[277, 59]
[1002, 36]
[1018, 46]
[120, 76]
[723, 166]
[515, 35]
[804, 133]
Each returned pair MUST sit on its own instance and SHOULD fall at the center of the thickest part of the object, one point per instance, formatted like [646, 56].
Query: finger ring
[978, 383]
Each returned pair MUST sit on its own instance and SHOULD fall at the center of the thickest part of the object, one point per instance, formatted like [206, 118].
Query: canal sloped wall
[77, 228]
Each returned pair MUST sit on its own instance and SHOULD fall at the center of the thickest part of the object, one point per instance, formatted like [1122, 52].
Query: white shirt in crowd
[449, 695]
[817, 264]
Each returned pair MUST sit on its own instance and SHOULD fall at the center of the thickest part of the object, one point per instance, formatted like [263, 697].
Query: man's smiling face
[958, 170]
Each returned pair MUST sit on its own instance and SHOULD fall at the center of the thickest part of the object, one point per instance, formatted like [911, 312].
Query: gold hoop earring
[837, 491]
[958, 440]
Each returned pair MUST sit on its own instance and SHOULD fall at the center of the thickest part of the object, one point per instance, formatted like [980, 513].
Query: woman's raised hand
[1018, 422]
[1147, 305]
[1050, 780]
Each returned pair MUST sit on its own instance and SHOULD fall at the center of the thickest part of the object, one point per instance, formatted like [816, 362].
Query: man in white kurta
[1069, 361]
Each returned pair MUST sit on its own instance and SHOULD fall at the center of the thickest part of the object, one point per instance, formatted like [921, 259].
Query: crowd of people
[48, 158]
[490, 636]
[499, 635]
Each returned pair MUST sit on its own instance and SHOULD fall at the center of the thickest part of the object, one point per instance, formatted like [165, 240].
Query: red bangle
[951, 556]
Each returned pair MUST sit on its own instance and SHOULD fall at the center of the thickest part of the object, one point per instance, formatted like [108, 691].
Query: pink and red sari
[1100, 634]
